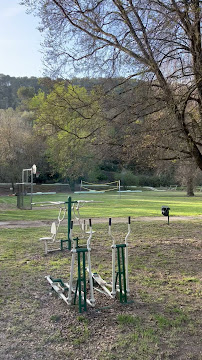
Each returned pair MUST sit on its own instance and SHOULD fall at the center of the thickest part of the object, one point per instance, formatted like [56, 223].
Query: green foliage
[9, 86]
[25, 93]
[68, 117]
[127, 178]
[96, 175]
[155, 180]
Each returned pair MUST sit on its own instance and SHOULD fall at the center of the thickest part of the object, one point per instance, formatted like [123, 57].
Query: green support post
[81, 279]
[69, 212]
[69, 219]
[121, 273]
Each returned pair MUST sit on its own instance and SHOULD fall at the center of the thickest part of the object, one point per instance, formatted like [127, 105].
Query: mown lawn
[147, 203]
[161, 321]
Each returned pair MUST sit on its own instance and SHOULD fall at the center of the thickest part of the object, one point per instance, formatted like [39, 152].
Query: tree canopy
[68, 117]
[159, 41]
[18, 145]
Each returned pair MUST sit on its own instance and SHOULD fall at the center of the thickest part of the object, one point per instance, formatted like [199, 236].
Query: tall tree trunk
[190, 179]
[190, 186]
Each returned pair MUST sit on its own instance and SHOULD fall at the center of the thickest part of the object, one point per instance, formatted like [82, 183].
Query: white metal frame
[76, 212]
[100, 281]
[51, 238]
[54, 230]
[69, 286]
[25, 173]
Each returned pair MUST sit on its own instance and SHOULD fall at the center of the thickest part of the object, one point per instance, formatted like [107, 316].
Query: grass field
[163, 319]
[147, 203]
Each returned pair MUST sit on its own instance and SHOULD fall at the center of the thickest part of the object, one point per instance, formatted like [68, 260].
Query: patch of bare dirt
[41, 223]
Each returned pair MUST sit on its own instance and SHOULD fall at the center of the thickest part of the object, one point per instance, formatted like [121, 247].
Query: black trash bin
[165, 211]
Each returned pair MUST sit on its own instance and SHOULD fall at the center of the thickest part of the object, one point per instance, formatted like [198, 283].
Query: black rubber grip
[71, 225]
[90, 224]
[129, 219]
[110, 221]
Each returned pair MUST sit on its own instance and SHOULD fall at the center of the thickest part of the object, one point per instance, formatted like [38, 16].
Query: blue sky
[19, 41]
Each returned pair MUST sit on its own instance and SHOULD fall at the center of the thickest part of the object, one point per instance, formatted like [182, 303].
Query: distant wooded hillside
[9, 86]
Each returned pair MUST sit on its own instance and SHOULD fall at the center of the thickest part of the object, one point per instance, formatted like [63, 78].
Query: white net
[101, 187]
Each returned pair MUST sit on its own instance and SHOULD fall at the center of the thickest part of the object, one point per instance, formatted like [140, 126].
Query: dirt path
[26, 223]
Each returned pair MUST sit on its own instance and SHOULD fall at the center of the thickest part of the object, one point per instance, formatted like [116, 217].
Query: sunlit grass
[147, 203]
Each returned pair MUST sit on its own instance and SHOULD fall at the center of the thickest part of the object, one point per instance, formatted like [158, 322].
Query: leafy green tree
[25, 93]
[68, 117]
[158, 41]
[9, 86]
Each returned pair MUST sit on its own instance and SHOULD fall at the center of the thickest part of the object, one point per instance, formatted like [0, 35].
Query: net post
[119, 188]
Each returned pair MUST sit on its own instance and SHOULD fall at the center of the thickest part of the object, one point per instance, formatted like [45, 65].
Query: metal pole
[92, 298]
[31, 187]
[124, 276]
[69, 211]
[72, 270]
[126, 256]
[119, 188]
[113, 260]
[23, 179]
[84, 281]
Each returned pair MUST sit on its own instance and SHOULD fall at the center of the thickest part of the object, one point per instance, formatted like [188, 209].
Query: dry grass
[163, 321]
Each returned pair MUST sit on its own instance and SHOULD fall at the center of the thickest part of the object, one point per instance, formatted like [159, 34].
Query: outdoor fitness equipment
[121, 275]
[54, 230]
[67, 291]
[122, 259]
[25, 187]
[68, 205]
[67, 208]
[76, 208]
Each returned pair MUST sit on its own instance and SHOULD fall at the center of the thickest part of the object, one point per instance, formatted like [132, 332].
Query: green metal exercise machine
[67, 291]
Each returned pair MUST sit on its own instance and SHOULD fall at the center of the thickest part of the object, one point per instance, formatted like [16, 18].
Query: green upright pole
[69, 220]
[124, 275]
[84, 281]
[69, 212]
[81, 280]
[121, 272]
